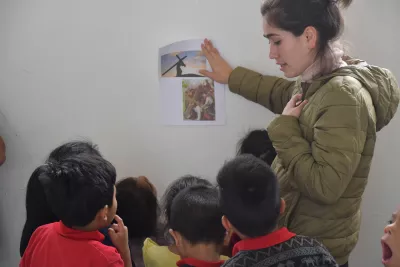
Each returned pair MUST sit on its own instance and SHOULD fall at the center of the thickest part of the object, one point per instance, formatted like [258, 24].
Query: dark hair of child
[196, 215]
[38, 212]
[78, 187]
[257, 143]
[249, 195]
[137, 206]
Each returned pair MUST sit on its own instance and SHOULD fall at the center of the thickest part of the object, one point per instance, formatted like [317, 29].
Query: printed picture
[183, 64]
[198, 100]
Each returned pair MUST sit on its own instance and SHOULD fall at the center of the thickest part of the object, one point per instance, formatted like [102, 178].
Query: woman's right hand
[220, 68]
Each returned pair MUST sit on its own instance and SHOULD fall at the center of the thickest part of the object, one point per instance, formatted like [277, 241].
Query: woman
[325, 137]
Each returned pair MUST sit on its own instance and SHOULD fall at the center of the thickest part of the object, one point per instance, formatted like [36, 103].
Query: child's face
[391, 241]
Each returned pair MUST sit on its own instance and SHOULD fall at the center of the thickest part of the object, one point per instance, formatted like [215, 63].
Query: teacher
[325, 136]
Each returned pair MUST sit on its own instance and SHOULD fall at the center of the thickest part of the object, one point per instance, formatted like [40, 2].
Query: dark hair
[173, 189]
[73, 148]
[249, 195]
[78, 187]
[296, 15]
[257, 143]
[38, 211]
[138, 207]
[196, 215]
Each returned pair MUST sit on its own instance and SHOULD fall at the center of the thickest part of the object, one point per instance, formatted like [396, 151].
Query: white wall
[88, 68]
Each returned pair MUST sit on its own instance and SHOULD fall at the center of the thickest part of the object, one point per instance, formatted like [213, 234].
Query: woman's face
[293, 54]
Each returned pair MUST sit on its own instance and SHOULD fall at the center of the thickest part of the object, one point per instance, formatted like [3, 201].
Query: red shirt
[272, 239]
[55, 245]
[198, 263]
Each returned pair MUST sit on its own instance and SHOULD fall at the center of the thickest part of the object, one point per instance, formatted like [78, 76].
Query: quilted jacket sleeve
[323, 169]
[268, 91]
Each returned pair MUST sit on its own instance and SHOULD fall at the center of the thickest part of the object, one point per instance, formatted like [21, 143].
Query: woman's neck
[326, 64]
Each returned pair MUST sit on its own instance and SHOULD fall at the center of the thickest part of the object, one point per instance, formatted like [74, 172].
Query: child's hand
[119, 235]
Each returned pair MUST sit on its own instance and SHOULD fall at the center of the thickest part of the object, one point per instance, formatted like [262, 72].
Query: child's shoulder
[314, 247]
[305, 240]
[108, 253]
[44, 230]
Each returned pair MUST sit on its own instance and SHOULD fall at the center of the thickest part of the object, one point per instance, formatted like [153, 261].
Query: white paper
[187, 97]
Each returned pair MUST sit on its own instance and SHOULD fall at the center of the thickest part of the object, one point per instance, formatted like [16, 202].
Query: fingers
[206, 52]
[119, 221]
[208, 49]
[211, 47]
[115, 227]
[111, 233]
[302, 104]
[296, 98]
[207, 74]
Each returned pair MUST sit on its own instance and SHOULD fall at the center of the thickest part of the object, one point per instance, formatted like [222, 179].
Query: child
[257, 143]
[251, 205]
[163, 252]
[390, 242]
[138, 207]
[81, 192]
[196, 227]
[38, 212]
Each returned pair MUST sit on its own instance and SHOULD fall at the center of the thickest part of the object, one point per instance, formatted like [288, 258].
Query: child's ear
[226, 224]
[177, 237]
[102, 215]
[283, 206]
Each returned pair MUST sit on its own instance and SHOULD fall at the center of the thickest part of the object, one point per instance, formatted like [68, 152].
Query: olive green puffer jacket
[324, 156]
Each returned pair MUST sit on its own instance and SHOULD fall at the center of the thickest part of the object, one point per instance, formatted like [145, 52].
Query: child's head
[137, 206]
[37, 208]
[73, 148]
[173, 189]
[249, 196]
[391, 241]
[257, 143]
[80, 190]
[196, 219]
[38, 211]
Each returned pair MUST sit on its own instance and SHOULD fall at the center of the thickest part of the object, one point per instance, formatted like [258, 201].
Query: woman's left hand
[294, 106]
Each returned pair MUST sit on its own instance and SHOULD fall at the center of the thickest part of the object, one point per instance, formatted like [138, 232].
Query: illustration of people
[199, 102]
[208, 107]
[179, 66]
[198, 110]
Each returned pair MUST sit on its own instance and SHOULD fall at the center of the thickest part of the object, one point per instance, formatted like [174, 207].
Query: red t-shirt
[56, 245]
